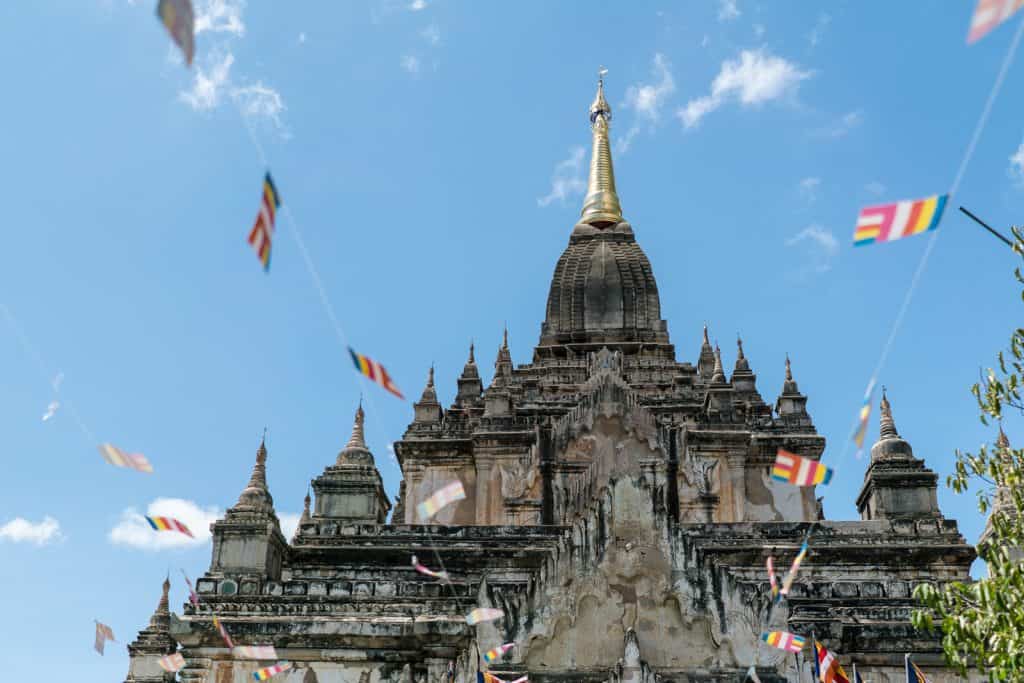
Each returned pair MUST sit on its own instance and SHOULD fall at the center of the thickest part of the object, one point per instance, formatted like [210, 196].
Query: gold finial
[601, 206]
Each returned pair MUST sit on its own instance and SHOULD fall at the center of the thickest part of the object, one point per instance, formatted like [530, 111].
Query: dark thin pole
[986, 226]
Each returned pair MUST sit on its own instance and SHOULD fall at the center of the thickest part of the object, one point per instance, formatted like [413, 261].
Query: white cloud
[814, 37]
[134, 531]
[821, 244]
[417, 5]
[567, 179]
[809, 188]
[20, 530]
[728, 10]
[260, 101]
[432, 34]
[647, 100]
[209, 84]
[874, 187]
[220, 16]
[1016, 170]
[754, 78]
[410, 64]
[841, 126]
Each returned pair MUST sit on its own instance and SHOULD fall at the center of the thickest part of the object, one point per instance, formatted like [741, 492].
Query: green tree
[982, 622]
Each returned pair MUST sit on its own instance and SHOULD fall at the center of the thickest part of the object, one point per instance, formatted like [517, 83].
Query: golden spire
[601, 205]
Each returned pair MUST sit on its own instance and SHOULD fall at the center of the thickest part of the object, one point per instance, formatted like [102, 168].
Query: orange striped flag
[374, 371]
[263, 231]
[168, 524]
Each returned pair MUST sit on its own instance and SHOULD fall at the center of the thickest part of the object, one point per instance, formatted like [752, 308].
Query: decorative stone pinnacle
[706, 341]
[718, 375]
[429, 394]
[358, 438]
[472, 357]
[739, 345]
[256, 494]
[888, 426]
[789, 370]
[160, 621]
[504, 338]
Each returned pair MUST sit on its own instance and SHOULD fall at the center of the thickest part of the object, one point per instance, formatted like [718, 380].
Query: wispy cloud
[20, 530]
[841, 127]
[259, 101]
[209, 83]
[567, 180]
[417, 5]
[755, 78]
[410, 64]
[876, 188]
[220, 16]
[432, 34]
[808, 188]
[818, 31]
[647, 100]
[821, 247]
[1016, 170]
[728, 10]
[133, 530]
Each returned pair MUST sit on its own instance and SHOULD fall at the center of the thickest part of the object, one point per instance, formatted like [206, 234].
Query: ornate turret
[497, 398]
[718, 372]
[427, 409]
[744, 383]
[718, 402]
[791, 405]
[304, 518]
[601, 205]
[1002, 501]
[351, 490]
[503, 363]
[152, 643]
[896, 484]
[249, 540]
[706, 361]
[603, 292]
[470, 386]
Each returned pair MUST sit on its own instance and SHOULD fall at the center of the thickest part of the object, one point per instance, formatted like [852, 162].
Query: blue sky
[430, 153]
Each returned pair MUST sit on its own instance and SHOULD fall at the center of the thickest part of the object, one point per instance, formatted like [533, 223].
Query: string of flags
[800, 471]
[988, 14]
[865, 413]
[262, 232]
[826, 665]
[494, 653]
[787, 583]
[488, 677]
[193, 597]
[784, 640]
[375, 371]
[133, 461]
[172, 663]
[103, 634]
[772, 580]
[168, 524]
[482, 614]
[428, 572]
[447, 495]
[254, 651]
[271, 671]
[223, 633]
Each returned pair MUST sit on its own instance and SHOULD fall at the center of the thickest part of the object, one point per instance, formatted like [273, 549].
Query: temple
[619, 510]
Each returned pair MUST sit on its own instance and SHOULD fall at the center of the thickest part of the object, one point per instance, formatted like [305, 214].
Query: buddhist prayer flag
[428, 572]
[192, 596]
[829, 670]
[481, 614]
[889, 222]
[173, 662]
[270, 671]
[374, 371]
[800, 471]
[103, 634]
[254, 652]
[223, 633]
[784, 640]
[771, 578]
[865, 412]
[263, 231]
[787, 583]
[449, 494]
[168, 524]
[914, 675]
[495, 653]
[134, 461]
[178, 18]
[988, 14]
[491, 678]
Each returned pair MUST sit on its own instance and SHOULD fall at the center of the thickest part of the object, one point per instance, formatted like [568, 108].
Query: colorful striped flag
[193, 597]
[270, 671]
[889, 222]
[481, 614]
[787, 583]
[168, 524]
[914, 675]
[449, 494]
[172, 663]
[496, 652]
[800, 471]
[103, 634]
[134, 461]
[491, 678]
[223, 633]
[865, 413]
[254, 651]
[374, 371]
[263, 231]
[829, 670]
[784, 640]
[428, 572]
[771, 578]
[178, 18]
[988, 14]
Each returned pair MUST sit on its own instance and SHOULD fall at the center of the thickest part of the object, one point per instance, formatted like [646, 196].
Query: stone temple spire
[355, 451]
[791, 405]
[255, 497]
[887, 428]
[503, 363]
[470, 386]
[601, 205]
[304, 518]
[718, 374]
[428, 409]
[741, 361]
[152, 643]
[706, 360]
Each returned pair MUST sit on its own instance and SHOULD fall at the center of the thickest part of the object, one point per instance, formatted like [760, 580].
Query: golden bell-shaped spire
[601, 205]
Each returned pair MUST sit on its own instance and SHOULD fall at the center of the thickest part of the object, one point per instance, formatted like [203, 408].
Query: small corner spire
[887, 424]
[705, 341]
[718, 374]
[741, 360]
[601, 206]
[472, 356]
[256, 494]
[358, 438]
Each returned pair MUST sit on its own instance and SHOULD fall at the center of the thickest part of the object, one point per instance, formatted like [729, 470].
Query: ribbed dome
[603, 290]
